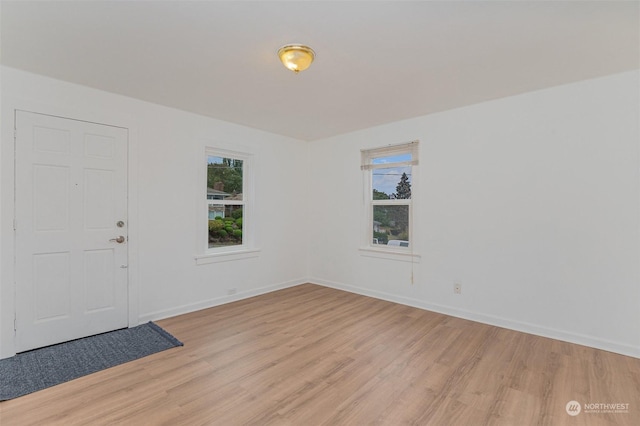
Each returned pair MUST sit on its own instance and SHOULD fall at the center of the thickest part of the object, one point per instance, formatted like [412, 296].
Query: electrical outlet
[231, 291]
[457, 288]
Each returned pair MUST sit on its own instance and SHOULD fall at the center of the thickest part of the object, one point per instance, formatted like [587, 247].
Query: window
[226, 201]
[388, 185]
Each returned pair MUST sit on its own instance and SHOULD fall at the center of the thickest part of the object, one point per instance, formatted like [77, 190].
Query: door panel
[51, 282]
[71, 190]
[99, 280]
[99, 199]
[51, 207]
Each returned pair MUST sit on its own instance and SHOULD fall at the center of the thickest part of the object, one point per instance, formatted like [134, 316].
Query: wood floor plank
[311, 355]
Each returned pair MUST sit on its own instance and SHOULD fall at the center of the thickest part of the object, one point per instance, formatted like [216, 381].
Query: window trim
[368, 155]
[227, 256]
[241, 251]
[390, 254]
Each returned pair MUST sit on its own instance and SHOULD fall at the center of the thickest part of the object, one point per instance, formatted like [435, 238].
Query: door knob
[118, 240]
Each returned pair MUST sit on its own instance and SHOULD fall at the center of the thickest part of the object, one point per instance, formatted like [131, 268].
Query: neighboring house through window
[226, 200]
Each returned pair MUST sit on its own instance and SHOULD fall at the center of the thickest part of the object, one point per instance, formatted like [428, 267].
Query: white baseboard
[552, 333]
[204, 304]
[524, 327]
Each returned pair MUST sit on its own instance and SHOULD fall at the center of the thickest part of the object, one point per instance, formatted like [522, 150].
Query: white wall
[531, 202]
[165, 181]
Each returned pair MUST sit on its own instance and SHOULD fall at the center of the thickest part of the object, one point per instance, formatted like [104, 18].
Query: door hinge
[15, 323]
[15, 224]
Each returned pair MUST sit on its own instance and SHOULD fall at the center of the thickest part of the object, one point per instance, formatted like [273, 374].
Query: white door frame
[7, 208]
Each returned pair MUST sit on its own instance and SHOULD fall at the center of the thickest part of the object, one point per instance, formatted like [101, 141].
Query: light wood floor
[311, 355]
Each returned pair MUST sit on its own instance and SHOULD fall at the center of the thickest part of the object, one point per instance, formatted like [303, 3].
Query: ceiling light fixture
[296, 57]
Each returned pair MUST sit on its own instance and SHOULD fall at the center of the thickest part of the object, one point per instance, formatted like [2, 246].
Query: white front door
[71, 205]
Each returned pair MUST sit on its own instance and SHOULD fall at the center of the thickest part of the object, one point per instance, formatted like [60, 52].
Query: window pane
[391, 225]
[224, 178]
[225, 225]
[391, 183]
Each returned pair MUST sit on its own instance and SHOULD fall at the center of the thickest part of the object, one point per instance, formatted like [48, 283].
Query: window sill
[390, 254]
[227, 256]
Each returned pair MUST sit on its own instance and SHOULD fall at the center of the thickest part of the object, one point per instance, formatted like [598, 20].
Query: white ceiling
[377, 62]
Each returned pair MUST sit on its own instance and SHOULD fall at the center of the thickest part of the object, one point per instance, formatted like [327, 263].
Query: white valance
[368, 155]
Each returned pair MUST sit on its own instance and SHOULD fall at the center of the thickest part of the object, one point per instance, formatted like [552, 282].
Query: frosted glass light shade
[296, 57]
